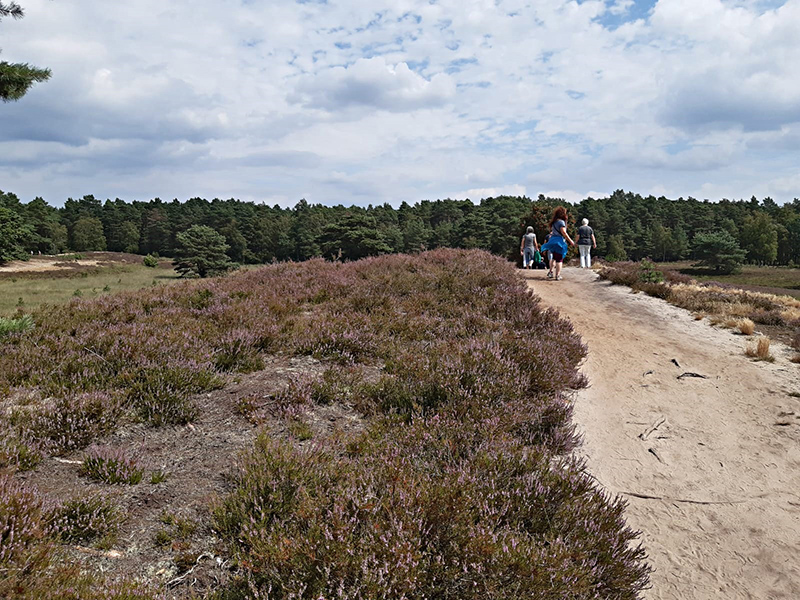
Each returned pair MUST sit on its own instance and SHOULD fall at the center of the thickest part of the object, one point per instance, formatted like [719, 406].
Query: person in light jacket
[528, 248]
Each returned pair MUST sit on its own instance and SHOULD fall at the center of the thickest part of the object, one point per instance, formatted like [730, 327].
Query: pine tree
[17, 78]
[201, 252]
[718, 250]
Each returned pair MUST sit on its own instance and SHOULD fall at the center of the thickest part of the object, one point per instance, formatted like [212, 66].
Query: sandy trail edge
[731, 440]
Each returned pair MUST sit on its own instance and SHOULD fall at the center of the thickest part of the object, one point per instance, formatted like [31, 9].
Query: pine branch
[17, 78]
[12, 9]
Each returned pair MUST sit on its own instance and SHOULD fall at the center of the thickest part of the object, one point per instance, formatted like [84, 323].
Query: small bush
[760, 351]
[150, 261]
[110, 465]
[237, 353]
[201, 299]
[19, 454]
[158, 476]
[178, 530]
[300, 430]
[162, 395]
[84, 519]
[658, 290]
[162, 538]
[649, 273]
[71, 423]
[767, 317]
[644, 277]
[18, 325]
[22, 527]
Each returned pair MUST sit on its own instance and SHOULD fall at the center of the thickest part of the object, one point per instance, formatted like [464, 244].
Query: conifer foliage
[201, 252]
[17, 78]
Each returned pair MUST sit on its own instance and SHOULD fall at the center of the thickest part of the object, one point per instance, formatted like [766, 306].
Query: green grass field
[773, 280]
[30, 292]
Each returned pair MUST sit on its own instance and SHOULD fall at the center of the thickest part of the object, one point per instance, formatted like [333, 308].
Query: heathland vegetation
[454, 478]
[725, 304]
[628, 226]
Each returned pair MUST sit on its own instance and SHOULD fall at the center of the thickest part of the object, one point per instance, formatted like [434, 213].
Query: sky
[369, 102]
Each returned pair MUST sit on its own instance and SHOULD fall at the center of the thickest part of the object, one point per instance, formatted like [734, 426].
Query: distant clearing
[771, 280]
[57, 279]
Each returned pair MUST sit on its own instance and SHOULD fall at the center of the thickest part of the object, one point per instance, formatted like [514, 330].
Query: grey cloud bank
[370, 103]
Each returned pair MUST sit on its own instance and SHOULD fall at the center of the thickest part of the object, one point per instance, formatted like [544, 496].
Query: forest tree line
[626, 225]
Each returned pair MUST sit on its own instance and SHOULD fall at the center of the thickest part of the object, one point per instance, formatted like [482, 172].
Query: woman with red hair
[556, 245]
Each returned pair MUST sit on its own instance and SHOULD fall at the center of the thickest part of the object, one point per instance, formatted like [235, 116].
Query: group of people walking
[555, 245]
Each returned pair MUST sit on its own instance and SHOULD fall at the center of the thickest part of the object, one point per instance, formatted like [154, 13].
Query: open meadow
[396, 427]
[56, 279]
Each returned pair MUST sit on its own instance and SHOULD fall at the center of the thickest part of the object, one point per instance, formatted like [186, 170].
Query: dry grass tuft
[761, 350]
[717, 319]
[795, 359]
[746, 326]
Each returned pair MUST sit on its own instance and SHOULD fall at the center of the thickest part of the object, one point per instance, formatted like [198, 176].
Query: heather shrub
[675, 277]
[19, 454]
[658, 290]
[22, 529]
[200, 299]
[66, 582]
[84, 519]
[436, 509]
[795, 343]
[300, 430]
[340, 384]
[643, 276]
[341, 337]
[70, 423]
[767, 317]
[457, 485]
[237, 352]
[110, 465]
[161, 395]
[621, 273]
[477, 376]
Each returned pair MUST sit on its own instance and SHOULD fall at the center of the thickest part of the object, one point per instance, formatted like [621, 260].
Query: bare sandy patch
[35, 265]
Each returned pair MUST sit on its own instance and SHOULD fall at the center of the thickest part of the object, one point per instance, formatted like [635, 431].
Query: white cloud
[477, 194]
[620, 7]
[371, 82]
[366, 103]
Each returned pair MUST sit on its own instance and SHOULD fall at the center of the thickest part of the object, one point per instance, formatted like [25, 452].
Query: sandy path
[722, 454]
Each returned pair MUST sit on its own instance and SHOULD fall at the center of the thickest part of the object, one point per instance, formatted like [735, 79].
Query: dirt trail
[710, 466]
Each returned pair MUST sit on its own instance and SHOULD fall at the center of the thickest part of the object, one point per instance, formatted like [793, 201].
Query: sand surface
[710, 466]
[44, 264]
